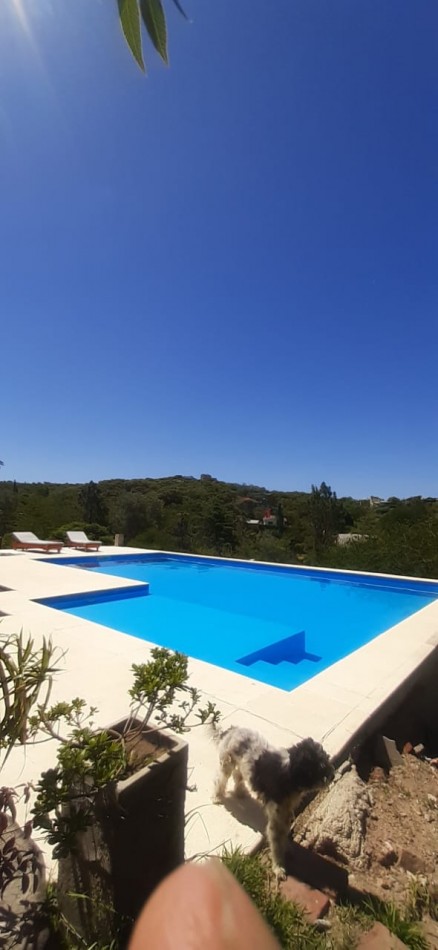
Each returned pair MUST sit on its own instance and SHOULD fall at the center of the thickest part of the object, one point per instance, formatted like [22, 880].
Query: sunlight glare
[22, 17]
[23, 13]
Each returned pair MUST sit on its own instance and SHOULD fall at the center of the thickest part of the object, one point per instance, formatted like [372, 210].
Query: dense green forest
[207, 516]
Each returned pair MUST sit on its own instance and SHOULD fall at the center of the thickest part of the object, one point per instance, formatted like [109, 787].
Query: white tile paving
[332, 706]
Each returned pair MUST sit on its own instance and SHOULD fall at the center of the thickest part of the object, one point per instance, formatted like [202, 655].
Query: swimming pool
[280, 625]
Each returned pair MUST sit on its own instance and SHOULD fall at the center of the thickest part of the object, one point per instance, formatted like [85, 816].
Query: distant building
[348, 538]
[375, 501]
[269, 520]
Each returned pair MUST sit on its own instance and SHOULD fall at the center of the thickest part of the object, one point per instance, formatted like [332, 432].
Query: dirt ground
[402, 831]
[401, 840]
[399, 862]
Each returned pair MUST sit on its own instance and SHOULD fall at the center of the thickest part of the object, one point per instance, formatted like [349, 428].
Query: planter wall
[137, 840]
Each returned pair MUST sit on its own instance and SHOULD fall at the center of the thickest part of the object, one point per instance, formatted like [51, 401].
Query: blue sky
[229, 266]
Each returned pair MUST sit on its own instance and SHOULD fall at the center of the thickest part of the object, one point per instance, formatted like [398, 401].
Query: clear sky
[229, 266]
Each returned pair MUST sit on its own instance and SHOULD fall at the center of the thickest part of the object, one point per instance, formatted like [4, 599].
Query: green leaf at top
[130, 21]
[155, 23]
[179, 7]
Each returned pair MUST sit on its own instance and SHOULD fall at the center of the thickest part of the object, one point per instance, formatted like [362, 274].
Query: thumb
[200, 906]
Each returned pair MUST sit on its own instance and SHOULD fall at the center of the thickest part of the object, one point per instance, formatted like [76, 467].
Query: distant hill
[207, 516]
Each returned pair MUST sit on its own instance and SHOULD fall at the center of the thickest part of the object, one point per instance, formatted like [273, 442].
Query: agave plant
[26, 675]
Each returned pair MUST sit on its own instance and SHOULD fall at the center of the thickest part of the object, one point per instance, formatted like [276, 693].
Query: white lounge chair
[28, 541]
[79, 540]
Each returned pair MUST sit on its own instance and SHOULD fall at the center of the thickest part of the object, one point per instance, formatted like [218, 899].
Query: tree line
[207, 516]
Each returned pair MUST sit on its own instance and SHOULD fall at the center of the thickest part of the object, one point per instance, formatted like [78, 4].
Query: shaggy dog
[278, 778]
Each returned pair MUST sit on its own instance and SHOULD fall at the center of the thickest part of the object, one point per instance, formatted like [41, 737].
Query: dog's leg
[226, 767]
[239, 784]
[279, 818]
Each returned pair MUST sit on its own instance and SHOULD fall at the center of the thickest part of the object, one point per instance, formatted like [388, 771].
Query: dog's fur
[278, 778]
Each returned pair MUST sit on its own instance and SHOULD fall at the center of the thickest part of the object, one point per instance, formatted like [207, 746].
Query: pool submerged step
[289, 650]
[282, 675]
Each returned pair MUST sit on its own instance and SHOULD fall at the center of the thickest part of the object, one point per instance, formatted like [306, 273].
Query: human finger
[201, 906]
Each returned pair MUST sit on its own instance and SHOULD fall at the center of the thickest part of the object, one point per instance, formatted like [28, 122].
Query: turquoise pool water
[277, 625]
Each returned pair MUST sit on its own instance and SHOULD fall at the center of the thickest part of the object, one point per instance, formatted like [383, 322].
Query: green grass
[291, 927]
[287, 920]
[348, 923]
[398, 922]
[422, 900]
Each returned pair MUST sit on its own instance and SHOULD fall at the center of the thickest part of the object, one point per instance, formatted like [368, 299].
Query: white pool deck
[334, 707]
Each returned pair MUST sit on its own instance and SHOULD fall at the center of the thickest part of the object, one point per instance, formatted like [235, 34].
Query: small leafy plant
[89, 761]
[158, 684]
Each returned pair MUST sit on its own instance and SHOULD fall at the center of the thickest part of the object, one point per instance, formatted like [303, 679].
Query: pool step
[289, 650]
